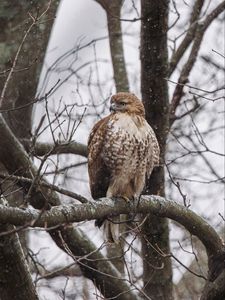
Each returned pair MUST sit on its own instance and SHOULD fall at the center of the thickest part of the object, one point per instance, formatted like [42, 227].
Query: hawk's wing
[98, 172]
[154, 157]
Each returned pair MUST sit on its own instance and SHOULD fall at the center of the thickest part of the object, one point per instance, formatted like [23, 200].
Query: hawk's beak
[112, 107]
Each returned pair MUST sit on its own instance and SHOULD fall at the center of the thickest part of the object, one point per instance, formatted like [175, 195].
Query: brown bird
[122, 152]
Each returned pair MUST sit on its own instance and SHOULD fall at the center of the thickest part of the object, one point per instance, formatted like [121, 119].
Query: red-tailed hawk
[122, 152]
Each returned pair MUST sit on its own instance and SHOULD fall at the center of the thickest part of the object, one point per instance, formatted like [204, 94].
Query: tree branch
[156, 205]
[188, 37]
[200, 30]
[51, 187]
[113, 9]
[40, 149]
[15, 277]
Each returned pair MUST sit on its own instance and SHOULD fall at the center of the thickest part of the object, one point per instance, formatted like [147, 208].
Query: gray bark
[113, 10]
[22, 50]
[154, 61]
[15, 278]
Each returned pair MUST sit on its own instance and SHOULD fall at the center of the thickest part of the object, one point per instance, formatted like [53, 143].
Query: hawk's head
[127, 103]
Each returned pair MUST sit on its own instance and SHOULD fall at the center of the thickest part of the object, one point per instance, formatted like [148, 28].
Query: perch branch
[156, 205]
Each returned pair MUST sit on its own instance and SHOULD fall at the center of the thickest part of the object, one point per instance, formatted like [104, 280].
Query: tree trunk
[22, 85]
[154, 60]
[15, 278]
[18, 84]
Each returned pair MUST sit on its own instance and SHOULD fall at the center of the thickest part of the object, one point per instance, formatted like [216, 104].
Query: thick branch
[21, 164]
[15, 277]
[41, 149]
[100, 209]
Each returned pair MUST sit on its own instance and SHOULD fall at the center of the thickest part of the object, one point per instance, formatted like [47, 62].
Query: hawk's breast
[127, 146]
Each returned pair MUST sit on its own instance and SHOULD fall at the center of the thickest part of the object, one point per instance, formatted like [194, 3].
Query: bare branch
[156, 205]
[188, 37]
[198, 36]
[40, 183]
[191, 33]
[40, 149]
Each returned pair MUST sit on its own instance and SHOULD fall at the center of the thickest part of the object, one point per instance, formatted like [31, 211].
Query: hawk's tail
[99, 222]
[112, 230]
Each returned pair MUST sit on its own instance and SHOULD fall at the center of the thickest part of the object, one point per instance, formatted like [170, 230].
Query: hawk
[122, 152]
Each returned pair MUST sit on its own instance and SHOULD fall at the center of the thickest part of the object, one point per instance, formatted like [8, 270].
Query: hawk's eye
[123, 103]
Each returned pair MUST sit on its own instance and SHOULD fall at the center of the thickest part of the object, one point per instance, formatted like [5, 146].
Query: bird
[122, 152]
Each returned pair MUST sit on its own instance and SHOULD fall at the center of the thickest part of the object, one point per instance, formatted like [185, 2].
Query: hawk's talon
[125, 198]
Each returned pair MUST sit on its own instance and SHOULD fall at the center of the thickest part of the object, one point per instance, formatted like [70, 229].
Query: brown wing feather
[98, 173]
